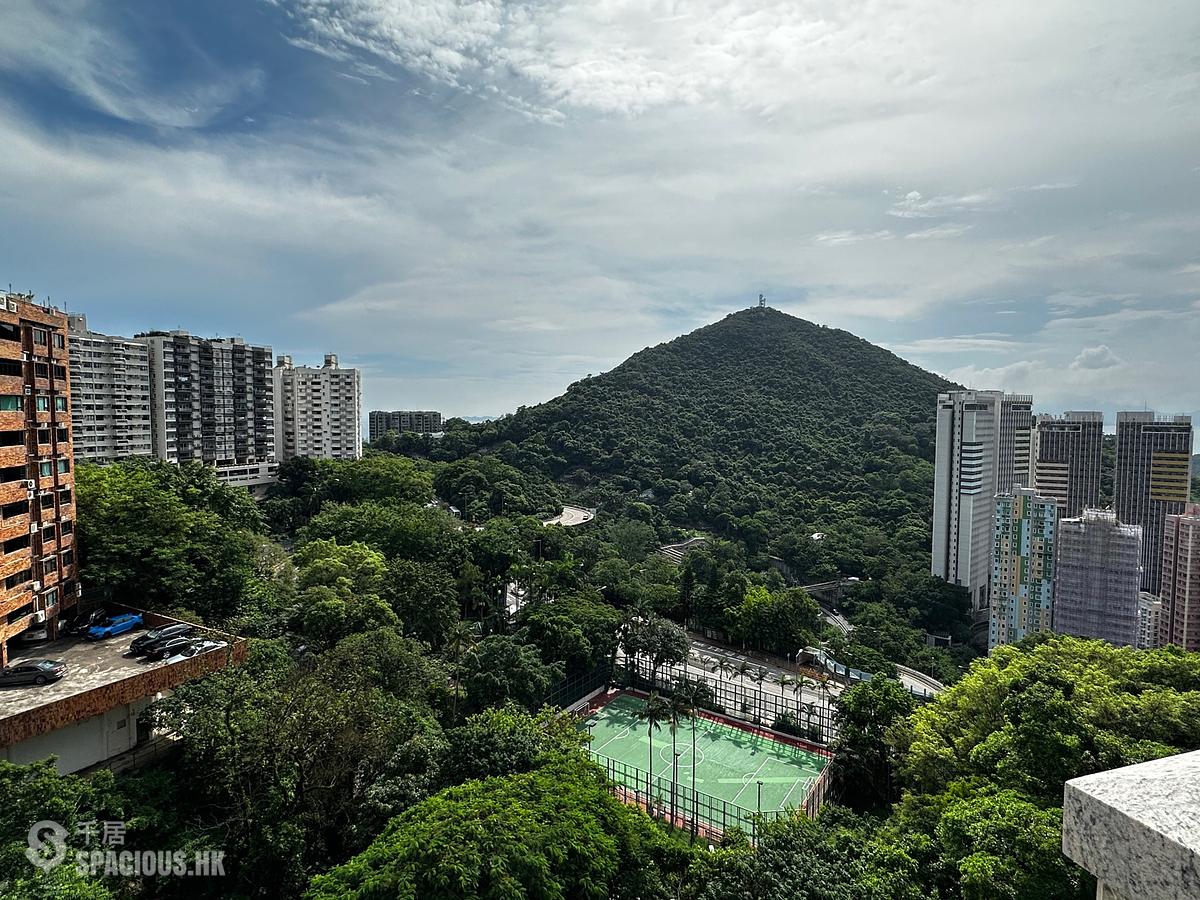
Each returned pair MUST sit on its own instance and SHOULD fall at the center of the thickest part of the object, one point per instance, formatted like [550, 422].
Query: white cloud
[851, 237]
[939, 232]
[1098, 357]
[61, 40]
[668, 162]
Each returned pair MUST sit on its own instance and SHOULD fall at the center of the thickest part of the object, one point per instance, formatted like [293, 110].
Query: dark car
[83, 623]
[168, 647]
[148, 643]
[34, 671]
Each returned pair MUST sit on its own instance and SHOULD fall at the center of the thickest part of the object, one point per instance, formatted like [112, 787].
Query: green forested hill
[761, 427]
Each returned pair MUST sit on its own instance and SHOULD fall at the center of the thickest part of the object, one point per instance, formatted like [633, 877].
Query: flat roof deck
[90, 664]
[101, 675]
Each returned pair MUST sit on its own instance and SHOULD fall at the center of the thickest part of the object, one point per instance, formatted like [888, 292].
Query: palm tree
[683, 703]
[459, 642]
[722, 667]
[743, 670]
[654, 712]
[758, 676]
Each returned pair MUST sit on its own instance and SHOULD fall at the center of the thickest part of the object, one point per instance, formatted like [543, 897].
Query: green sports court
[729, 764]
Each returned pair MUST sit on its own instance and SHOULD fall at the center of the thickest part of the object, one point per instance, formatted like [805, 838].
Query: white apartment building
[318, 412]
[110, 394]
[1150, 615]
[983, 448]
[212, 400]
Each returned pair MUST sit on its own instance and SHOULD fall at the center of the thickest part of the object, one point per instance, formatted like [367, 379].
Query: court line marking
[751, 777]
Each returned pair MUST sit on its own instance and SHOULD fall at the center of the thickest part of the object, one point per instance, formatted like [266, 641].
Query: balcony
[1137, 829]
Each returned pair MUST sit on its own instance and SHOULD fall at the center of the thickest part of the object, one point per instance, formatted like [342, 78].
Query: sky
[479, 203]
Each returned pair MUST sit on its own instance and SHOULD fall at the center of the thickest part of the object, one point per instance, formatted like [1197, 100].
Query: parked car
[34, 635]
[81, 624]
[35, 671]
[168, 647]
[195, 648]
[149, 642]
[116, 625]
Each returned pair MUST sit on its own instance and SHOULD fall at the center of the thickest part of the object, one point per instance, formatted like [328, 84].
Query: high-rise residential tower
[1097, 577]
[983, 447]
[1150, 628]
[212, 400]
[1022, 566]
[110, 394]
[381, 421]
[1151, 481]
[318, 412]
[1066, 459]
[37, 480]
[1181, 579]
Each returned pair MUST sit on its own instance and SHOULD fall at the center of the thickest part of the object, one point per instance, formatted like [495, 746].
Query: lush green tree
[555, 833]
[36, 793]
[782, 622]
[507, 740]
[425, 597]
[397, 530]
[864, 762]
[296, 772]
[658, 640]
[484, 487]
[351, 569]
[1031, 716]
[502, 668]
[157, 538]
[1000, 846]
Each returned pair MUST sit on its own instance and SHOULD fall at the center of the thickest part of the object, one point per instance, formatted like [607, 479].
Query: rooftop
[1137, 829]
[100, 676]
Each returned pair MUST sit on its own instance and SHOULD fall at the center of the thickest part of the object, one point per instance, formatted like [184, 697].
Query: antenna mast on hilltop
[762, 301]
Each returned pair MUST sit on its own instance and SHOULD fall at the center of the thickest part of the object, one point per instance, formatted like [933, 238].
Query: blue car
[114, 626]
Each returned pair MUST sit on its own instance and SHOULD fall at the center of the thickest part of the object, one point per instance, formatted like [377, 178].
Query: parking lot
[90, 664]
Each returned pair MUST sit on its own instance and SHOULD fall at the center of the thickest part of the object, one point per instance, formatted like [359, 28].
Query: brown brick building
[37, 482]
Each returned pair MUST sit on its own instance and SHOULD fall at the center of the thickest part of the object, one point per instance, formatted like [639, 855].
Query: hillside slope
[754, 426]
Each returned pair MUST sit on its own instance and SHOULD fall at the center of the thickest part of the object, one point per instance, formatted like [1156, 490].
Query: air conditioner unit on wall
[39, 616]
[37, 585]
[33, 528]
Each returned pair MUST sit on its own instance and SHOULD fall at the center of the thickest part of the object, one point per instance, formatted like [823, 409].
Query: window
[60, 340]
[43, 403]
[45, 469]
[12, 473]
[47, 501]
[40, 336]
[12, 438]
[60, 404]
[12, 545]
[10, 403]
[9, 332]
[19, 508]
[64, 465]
[68, 558]
[67, 526]
[11, 367]
[19, 578]
[50, 598]
[60, 372]
[41, 370]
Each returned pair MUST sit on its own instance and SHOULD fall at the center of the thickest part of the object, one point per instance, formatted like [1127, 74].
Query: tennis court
[729, 765]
